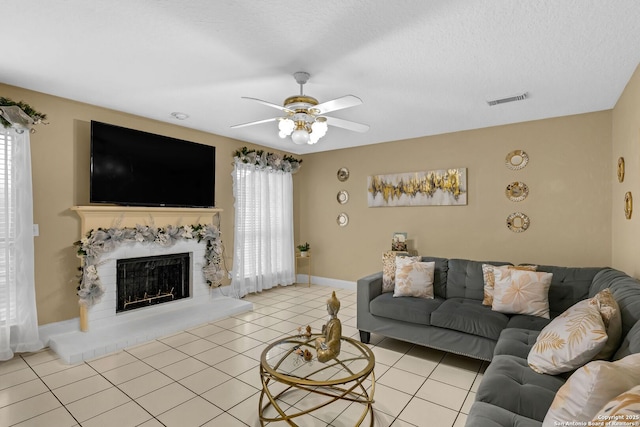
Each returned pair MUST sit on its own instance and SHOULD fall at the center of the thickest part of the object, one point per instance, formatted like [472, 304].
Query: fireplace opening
[152, 280]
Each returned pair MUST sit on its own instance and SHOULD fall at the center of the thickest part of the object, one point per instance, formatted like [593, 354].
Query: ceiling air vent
[509, 99]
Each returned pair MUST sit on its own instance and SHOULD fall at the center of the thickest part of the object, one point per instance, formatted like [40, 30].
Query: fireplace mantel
[93, 216]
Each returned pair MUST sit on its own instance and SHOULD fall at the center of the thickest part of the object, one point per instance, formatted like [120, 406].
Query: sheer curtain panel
[18, 316]
[264, 254]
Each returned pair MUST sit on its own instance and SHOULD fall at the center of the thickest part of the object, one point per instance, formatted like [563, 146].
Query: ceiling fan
[305, 118]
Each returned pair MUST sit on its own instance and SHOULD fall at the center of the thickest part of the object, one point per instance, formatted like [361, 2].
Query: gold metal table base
[343, 385]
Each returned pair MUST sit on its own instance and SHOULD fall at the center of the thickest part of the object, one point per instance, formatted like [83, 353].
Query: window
[7, 232]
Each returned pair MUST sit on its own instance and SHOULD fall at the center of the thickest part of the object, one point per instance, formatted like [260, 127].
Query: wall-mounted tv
[134, 168]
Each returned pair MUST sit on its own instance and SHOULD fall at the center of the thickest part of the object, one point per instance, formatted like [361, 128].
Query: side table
[308, 258]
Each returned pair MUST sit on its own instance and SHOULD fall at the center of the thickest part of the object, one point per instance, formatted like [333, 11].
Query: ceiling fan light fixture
[300, 136]
[285, 126]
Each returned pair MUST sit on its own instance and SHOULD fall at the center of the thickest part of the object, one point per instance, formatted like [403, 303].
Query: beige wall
[626, 143]
[60, 163]
[569, 175]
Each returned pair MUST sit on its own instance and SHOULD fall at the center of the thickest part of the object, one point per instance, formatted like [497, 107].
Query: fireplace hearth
[152, 280]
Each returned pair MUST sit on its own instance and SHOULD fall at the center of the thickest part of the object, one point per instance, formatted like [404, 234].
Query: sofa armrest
[369, 287]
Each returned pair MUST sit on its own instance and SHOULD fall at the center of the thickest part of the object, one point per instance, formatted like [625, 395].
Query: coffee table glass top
[282, 360]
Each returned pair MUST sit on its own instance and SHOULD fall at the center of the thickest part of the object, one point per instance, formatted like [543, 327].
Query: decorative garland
[100, 241]
[266, 160]
[36, 116]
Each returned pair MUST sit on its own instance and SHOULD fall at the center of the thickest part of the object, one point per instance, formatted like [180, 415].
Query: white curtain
[264, 254]
[18, 316]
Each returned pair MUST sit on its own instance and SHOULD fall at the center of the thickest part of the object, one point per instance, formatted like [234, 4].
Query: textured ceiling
[421, 67]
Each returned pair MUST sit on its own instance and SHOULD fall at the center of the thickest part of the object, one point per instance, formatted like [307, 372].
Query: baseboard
[326, 281]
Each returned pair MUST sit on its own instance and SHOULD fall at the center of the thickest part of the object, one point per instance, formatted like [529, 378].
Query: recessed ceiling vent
[509, 99]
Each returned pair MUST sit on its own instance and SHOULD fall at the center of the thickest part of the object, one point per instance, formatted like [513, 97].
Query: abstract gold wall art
[443, 187]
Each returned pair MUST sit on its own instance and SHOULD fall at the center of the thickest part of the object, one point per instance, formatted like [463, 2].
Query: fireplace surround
[108, 329]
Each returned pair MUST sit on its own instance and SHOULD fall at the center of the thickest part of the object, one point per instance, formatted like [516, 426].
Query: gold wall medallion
[517, 160]
[343, 197]
[628, 205]
[518, 222]
[620, 169]
[342, 220]
[517, 191]
[343, 174]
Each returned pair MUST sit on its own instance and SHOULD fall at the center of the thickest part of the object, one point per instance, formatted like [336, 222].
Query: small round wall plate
[517, 191]
[628, 205]
[343, 197]
[343, 219]
[517, 160]
[343, 174]
[518, 222]
[621, 169]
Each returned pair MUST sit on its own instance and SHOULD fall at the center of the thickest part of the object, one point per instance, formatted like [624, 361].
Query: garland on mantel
[100, 241]
[266, 160]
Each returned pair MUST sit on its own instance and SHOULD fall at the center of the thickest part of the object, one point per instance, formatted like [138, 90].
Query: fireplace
[145, 281]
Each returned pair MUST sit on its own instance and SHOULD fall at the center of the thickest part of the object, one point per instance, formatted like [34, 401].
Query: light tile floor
[208, 376]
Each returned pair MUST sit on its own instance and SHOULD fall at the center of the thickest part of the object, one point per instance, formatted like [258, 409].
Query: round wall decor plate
[343, 219]
[517, 191]
[517, 160]
[343, 197]
[518, 222]
[343, 174]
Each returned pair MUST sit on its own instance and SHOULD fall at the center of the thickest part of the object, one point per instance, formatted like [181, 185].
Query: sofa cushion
[610, 313]
[630, 343]
[521, 292]
[625, 290]
[525, 321]
[509, 383]
[486, 415]
[465, 278]
[407, 309]
[490, 279]
[516, 342]
[414, 278]
[570, 340]
[591, 387]
[568, 286]
[470, 316]
[440, 275]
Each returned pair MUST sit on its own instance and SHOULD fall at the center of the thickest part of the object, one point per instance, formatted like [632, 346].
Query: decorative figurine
[308, 331]
[307, 355]
[328, 345]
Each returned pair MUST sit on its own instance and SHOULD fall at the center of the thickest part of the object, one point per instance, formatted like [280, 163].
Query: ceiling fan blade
[270, 104]
[273, 119]
[343, 102]
[346, 124]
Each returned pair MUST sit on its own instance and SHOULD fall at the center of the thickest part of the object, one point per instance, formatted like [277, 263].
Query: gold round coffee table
[283, 370]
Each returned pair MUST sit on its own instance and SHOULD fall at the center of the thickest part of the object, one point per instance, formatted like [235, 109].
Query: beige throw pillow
[569, 341]
[490, 279]
[590, 388]
[414, 278]
[389, 269]
[521, 292]
[612, 319]
[625, 408]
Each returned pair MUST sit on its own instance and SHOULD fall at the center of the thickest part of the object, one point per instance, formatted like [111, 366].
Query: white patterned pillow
[612, 319]
[625, 407]
[590, 388]
[389, 269]
[521, 292]
[490, 279]
[414, 278]
[569, 341]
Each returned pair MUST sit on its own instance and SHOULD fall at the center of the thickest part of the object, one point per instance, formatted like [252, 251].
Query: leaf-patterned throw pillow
[389, 269]
[589, 389]
[625, 407]
[490, 279]
[521, 292]
[414, 278]
[569, 341]
[612, 319]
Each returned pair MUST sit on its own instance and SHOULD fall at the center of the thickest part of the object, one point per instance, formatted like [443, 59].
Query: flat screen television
[134, 168]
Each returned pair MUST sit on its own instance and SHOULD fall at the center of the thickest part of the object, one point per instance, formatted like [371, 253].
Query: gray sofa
[510, 394]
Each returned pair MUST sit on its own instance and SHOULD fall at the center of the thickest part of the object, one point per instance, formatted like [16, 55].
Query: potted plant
[304, 249]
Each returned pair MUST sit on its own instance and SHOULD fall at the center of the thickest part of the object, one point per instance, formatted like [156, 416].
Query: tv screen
[135, 168]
